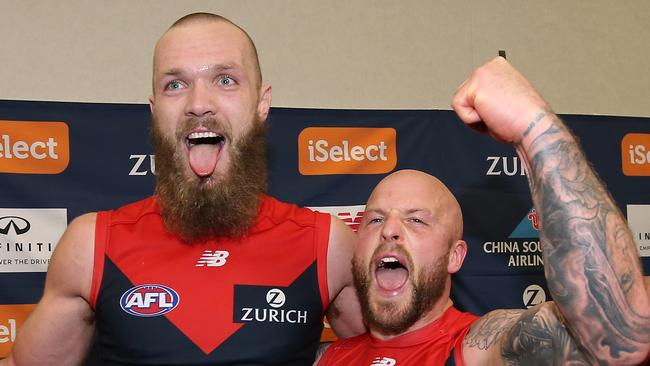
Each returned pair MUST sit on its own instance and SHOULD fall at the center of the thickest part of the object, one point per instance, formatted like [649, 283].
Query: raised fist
[498, 100]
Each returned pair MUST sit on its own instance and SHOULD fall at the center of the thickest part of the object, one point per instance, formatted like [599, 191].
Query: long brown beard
[197, 209]
[395, 318]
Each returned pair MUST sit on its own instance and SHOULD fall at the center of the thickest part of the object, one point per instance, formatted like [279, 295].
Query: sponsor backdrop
[59, 160]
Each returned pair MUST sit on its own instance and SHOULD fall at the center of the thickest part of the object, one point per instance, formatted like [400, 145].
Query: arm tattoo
[538, 118]
[539, 338]
[489, 329]
[591, 264]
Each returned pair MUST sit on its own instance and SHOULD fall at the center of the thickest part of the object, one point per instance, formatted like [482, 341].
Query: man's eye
[174, 85]
[375, 220]
[226, 81]
[416, 220]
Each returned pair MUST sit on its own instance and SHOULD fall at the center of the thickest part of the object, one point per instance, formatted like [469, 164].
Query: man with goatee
[410, 243]
[209, 270]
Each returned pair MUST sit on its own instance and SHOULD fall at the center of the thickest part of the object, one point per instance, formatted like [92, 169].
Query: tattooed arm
[536, 336]
[601, 308]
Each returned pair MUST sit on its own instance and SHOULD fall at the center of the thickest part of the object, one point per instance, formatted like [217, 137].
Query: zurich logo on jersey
[149, 300]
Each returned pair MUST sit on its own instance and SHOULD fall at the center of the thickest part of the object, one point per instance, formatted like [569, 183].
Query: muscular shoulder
[80, 234]
[521, 337]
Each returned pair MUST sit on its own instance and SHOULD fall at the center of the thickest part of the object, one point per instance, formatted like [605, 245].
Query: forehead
[202, 43]
[406, 192]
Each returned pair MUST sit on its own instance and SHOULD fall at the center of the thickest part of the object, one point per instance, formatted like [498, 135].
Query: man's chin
[389, 315]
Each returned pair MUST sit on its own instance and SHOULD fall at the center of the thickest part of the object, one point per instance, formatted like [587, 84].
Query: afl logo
[149, 300]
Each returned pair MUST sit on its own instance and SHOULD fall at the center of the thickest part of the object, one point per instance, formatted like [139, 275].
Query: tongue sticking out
[391, 279]
[203, 158]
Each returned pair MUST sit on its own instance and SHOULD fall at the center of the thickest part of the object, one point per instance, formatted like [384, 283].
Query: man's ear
[264, 104]
[151, 102]
[457, 256]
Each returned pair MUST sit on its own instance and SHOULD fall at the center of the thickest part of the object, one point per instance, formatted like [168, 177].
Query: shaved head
[196, 18]
[416, 186]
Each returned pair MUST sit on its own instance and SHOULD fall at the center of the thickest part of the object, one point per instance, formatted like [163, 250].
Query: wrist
[539, 123]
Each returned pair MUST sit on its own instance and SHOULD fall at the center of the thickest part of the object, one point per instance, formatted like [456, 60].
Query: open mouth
[204, 150]
[206, 137]
[391, 273]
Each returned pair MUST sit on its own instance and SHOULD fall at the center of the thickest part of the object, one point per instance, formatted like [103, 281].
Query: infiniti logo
[19, 224]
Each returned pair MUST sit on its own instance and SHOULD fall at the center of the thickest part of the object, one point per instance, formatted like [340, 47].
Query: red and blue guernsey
[439, 343]
[258, 300]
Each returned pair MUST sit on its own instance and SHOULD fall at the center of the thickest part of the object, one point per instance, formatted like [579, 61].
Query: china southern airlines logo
[384, 361]
[212, 258]
[528, 226]
[18, 224]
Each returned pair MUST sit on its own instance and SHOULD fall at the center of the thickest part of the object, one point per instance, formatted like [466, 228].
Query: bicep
[60, 328]
[344, 312]
[535, 336]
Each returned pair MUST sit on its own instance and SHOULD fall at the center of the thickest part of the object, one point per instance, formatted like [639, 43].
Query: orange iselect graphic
[339, 150]
[29, 147]
[635, 154]
[11, 319]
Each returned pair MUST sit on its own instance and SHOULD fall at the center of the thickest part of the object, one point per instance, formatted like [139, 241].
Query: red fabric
[430, 345]
[284, 241]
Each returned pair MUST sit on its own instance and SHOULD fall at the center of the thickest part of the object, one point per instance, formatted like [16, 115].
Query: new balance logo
[384, 361]
[212, 258]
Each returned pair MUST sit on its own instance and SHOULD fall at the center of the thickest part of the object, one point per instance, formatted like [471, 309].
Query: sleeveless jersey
[249, 301]
[431, 345]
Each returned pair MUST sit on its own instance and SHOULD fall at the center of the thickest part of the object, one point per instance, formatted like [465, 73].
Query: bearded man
[209, 270]
[410, 243]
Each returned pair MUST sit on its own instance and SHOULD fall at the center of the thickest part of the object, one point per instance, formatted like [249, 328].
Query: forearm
[591, 263]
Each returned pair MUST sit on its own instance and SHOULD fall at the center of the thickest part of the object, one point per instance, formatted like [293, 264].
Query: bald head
[194, 19]
[413, 189]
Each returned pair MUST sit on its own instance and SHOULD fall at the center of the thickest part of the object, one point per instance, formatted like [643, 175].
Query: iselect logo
[635, 154]
[34, 147]
[331, 150]
[12, 318]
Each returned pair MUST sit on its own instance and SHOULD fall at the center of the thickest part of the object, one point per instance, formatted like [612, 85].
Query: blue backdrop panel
[110, 165]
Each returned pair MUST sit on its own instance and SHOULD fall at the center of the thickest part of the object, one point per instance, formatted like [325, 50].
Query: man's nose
[392, 229]
[201, 100]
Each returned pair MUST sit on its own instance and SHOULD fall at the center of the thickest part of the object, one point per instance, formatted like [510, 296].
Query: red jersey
[431, 345]
[255, 300]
